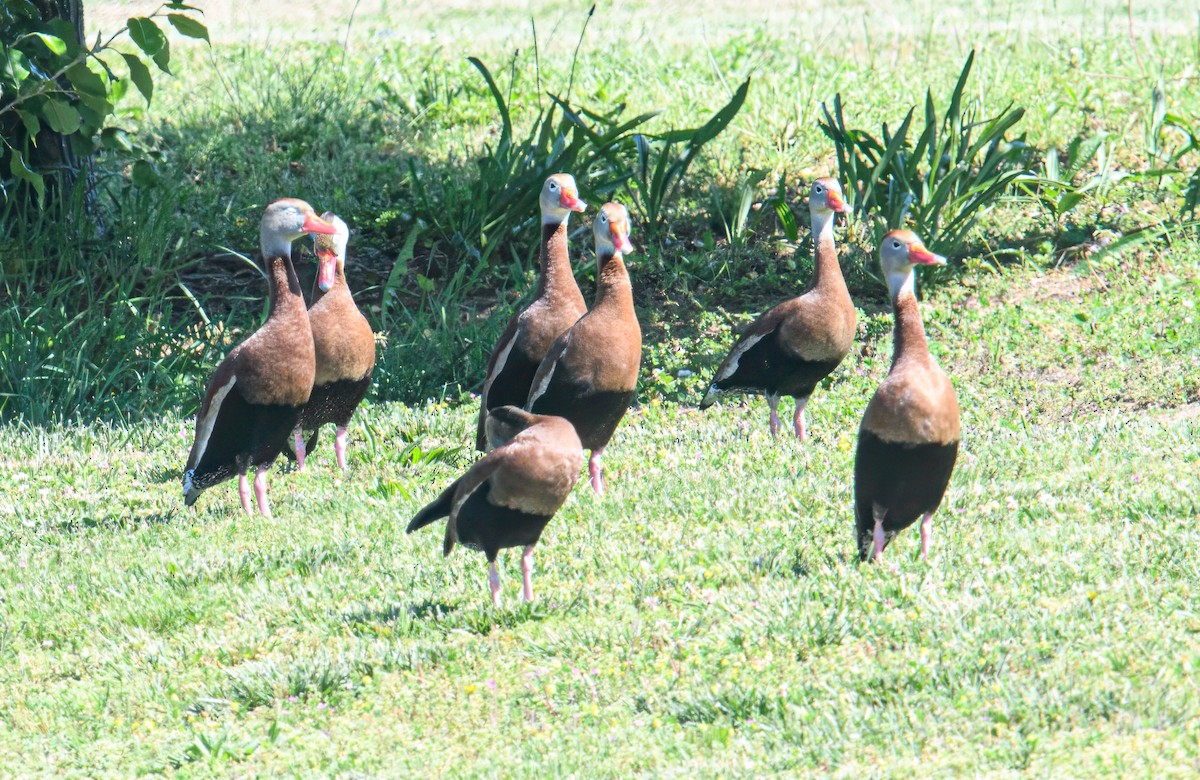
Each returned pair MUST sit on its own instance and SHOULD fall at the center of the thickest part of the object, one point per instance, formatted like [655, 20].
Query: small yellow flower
[470, 688]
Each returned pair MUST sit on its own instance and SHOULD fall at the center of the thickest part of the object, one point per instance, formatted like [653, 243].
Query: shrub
[942, 182]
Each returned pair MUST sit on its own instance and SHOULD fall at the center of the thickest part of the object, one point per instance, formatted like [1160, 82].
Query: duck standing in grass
[345, 349]
[589, 376]
[795, 345]
[509, 495]
[256, 394]
[908, 440]
[555, 307]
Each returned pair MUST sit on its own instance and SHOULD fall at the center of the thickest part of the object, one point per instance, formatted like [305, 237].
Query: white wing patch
[500, 361]
[204, 428]
[735, 356]
[540, 390]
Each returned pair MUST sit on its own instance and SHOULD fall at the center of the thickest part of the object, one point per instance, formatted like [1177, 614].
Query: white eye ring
[603, 218]
[553, 185]
[819, 188]
[895, 245]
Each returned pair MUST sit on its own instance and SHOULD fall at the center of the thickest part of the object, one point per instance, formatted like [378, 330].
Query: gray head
[559, 198]
[283, 222]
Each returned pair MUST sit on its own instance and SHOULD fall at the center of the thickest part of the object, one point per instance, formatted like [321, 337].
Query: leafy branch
[50, 80]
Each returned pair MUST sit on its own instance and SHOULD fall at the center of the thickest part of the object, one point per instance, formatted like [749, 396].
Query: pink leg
[527, 572]
[298, 445]
[878, 512]
[260, 491]
[339, 445]
[494, 583]
[244, 492]
[595, 472]
[798, 419]
[773, 402]
[926, 535]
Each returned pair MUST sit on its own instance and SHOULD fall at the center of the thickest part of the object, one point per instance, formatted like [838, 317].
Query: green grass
[706, 617]
[682, 626]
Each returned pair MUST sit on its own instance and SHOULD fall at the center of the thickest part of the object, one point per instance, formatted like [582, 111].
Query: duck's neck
[827, 274]
[274, 244]
[612, 285]
[556, 276]
[909, 343]
[283, 285]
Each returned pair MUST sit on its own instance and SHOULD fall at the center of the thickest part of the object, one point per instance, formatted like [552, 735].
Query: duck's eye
[553, 186]
[895, 245]
[819, 188]
[603, 218]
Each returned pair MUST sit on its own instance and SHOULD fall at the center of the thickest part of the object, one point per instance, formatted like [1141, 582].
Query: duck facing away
[908, 440]
[509, 495]
[345, 349]
[556, 306]
[792, 347]
[589, 376]
[256, 394]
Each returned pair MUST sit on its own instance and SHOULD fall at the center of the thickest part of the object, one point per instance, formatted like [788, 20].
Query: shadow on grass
[117, 521]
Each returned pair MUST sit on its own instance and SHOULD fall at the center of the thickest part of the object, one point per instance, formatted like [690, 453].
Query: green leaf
[163, 58]
[22, 171]
[87, 81]
[140, 75]
[150, 39]
[143, 174]
[14, 67]
[32, 125]
[60, 115]
[188, 26]
[146, 35]
[55, 44]
[116, 139]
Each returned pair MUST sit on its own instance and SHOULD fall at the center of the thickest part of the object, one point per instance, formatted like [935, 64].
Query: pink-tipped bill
[917, 253]
[326, 269]
[835, 202]
[314, 224]
[570, 200]
[620, 240]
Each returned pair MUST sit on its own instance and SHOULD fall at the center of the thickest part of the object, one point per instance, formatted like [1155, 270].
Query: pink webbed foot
[244, 493]
[527, 573]
[298, 446]
[494, 583]
[260, 491]
[340, 441]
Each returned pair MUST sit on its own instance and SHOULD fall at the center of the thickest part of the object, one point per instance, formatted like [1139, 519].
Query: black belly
[908, 480]
[244, 437]
[594, 413]
[334, 402]
[490, 528]
[511, 385]
[766, 368]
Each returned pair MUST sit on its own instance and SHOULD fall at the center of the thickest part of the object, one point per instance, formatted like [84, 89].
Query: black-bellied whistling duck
[795, 345]
[344, 344]
[908, 440]
[258, 390]
[555, 307]
[589, 376]
[508, 496]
